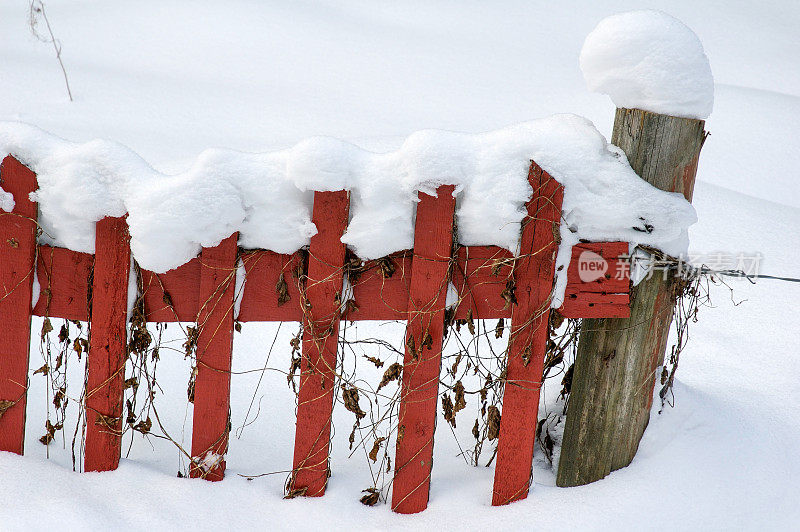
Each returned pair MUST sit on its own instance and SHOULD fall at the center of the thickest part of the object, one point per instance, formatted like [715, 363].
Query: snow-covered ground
[172, 79]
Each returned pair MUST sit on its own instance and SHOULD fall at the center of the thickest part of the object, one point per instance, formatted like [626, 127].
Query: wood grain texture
[320, 341]
[105, 366]
[606, 296]
[433, 246]
[614, 373]
[261, 300]
[64, 278]
[17, 256]
[379, 294]
[479, 277]
[212, 387]
[174, 295]
[533, 275]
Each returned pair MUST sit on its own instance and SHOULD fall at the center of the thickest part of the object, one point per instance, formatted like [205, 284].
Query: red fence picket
[430, 267]
[408, 285]
[321, 311]
[17, 259]
[107, 345]
[212, 384]
[533, 278]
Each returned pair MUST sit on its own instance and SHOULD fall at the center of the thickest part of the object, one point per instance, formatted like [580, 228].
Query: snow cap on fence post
[651, 61]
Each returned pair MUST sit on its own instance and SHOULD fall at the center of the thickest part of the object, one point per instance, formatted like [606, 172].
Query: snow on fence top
[649, 60]
[267, 197]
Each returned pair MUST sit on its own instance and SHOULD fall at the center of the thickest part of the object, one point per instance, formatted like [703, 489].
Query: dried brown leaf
[493, 423]
[353, 267]
[499, 328]
[457, 361]
[80, 345]
[526, 356]
[371, 498]
[376, 447]
[47, 327]
[352, 438]
[461, 401]
[283, 290]
[294, 366]
[144, 426]
[427, 341]
[566, 382]
[192, 334]
[509, 293]
[109, 422]
[411, 346]
[350, 398]
[447, 409]
[375, 360]
[296, 492]
[556, 319]
[63, 334]
[392, 373]
[387, 266]
[5, 404]
[190, 387]
[51, 432]
[59, 396]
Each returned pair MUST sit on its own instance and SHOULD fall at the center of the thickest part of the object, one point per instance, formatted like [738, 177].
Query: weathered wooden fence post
[613, 379]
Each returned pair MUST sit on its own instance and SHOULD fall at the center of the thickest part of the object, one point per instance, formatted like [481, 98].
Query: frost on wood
[651, 61]
[268, 197]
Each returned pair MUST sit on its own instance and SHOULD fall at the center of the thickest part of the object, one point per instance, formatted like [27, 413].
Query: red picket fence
[409, 285]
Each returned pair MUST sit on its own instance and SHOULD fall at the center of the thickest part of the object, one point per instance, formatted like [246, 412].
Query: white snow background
[171, 79]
